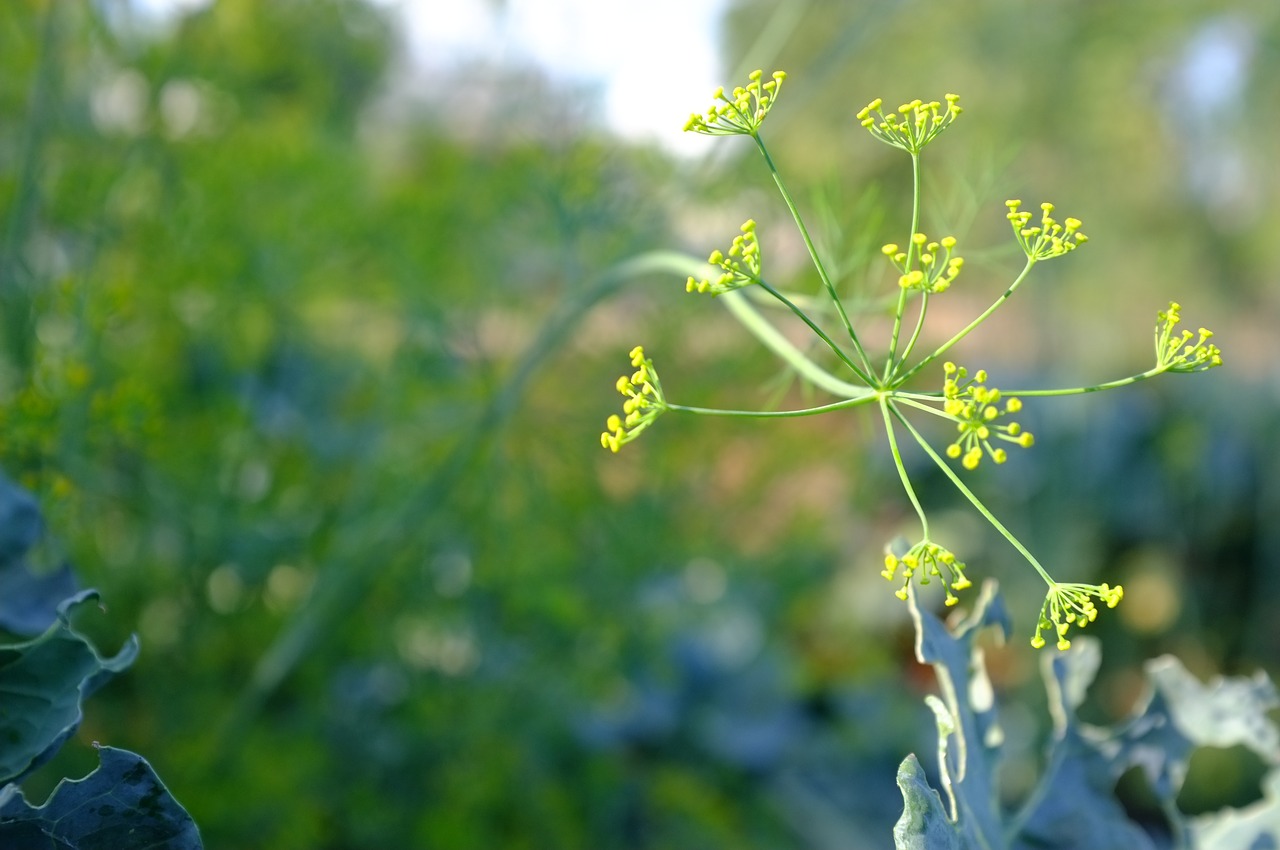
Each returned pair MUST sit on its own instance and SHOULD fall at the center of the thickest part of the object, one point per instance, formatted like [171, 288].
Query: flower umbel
[1175, 352]
[975, 407]
[926, 266]
[741, 113]
[644, 403]
[741, 267]
[1068, 605]
[982, 415]
[919, 124]
[929, 559]
[1050, 238]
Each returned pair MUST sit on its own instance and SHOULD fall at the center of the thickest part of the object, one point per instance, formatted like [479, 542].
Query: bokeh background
[309, 333]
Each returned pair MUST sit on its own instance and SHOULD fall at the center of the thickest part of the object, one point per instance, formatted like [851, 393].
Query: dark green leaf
[28, 601]
[42, 684]
[122, 805]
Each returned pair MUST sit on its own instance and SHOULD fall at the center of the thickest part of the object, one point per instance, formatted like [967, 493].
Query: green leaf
[42, 684]
[121, 804]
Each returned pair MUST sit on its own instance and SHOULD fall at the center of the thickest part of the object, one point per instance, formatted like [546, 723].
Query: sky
[655, 62]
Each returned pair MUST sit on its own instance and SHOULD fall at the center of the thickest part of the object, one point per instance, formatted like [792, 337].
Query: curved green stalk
[772, 339]
[817, 330]
[774, 414]
[902, 469]
[813, 252]
[974, 500]
[946, 346]
[891, 365]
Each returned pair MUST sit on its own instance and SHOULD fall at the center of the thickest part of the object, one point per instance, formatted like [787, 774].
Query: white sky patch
[655, 62]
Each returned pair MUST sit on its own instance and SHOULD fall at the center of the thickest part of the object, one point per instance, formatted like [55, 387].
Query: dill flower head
[743, 111]
[914, 125]
[1175, 352]
[1067, 605]
[1048, 239]
[927, 559]
[643, 403]
[975, 408]
[740, 267]
[925, 266]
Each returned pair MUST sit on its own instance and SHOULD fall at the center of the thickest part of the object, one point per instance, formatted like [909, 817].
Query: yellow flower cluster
[741, 113]
[975, 408]
[1068, 605]
[741, 266]
[929, 559]
[919, 124]
[1175, 352]
[644, 403]
[1050, 238]
[934, 273]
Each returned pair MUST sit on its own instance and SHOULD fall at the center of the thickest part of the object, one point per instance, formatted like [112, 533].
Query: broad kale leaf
[1074, 805]
[122, 804]
[28, 599]
[42, 685]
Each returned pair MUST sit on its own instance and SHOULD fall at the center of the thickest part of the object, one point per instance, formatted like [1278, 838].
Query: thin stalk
[902, 469]
[819, 331]
[946, 346]
[774, 414]
[911, 250]
[1109, 385]
[813, 252]
[974, 500]
[926, 408]
[915, 335]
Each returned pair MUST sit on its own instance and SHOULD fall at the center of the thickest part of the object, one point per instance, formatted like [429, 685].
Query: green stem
[974, 500]
[926, 408]
[817, 330]
[813, 252]
[946, 346]
[1109, 385]
[915, 335]
[902, 469]
[890, 366]
[771, 338]
[775, 414]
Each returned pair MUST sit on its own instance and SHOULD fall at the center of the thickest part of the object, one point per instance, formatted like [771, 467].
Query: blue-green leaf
[42, 685]
[122, 804]
[969, 736]
[924, 824]
[28, 600]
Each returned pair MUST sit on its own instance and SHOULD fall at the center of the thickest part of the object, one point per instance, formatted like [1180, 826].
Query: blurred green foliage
[307, 374]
